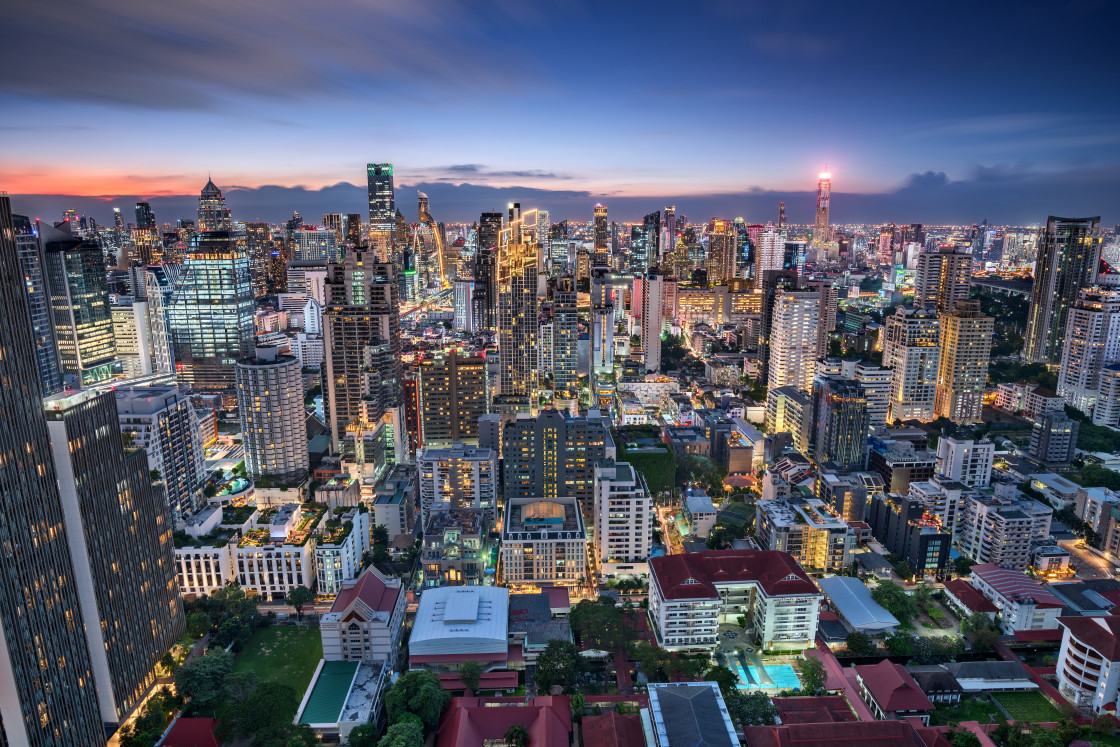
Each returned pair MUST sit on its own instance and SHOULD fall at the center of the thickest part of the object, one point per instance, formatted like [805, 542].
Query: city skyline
[298, 96]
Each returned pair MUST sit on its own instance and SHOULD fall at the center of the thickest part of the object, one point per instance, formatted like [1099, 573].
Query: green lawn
[970, 709]
[1032, 707]
[282, 653]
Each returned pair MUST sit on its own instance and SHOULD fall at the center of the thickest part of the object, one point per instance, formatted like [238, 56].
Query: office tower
[1092, 341]
[485, 298]
[40, 614]
[354, 228]
[462, 295]
[119, 531]
[646, 252]
[79, 297]
[273, 419]
[941, 277]
[885, 246]
[333, 222]
[602, 236]
[118, 219]
[829, 305]
[213, 215]
[210, 315]
[382, 205]
[489, 230]
[652, 292]
[913, 352]
[361, 347]
[770, 252]
[840, 425]
[966, 344]
[132, 337]
[159, 281]
[554, 455]
[517, 318]
[32, 262]
[822, 232]
[314, 245]
[772, 281]
[793, 339]
[565, 339]
[602, 343]
[453, 392]
[670, 226]
[722, 250]
[161, 420]
[145, 218]
[1068, 254]
[458, 477]
[624, 516]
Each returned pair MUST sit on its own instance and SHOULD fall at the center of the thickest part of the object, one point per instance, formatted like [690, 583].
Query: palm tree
[517, 736]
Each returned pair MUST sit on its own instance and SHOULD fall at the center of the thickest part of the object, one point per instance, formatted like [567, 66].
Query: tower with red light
[822, 233]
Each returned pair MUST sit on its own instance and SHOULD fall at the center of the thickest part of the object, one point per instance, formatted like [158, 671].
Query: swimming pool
[772, 677]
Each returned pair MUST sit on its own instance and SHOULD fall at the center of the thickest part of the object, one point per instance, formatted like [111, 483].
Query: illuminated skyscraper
[645, 245]
[822, 231]
[840, 422]
[489, 230]
[1068, 257]
[793, 340]
[913, 353]
[314, 245]
[382, 205]
[942, 277]
[1092, 342]
[484, 300]
[213, 215]
[966, 345]
[722, 250]
[770, 254]
[210, 314]
[273, 419]
[565, 339]
[772, 282]
[653, 288]
[602, 234]
[38, 304]
[354, 228]
[333, 222]
[453, 392]
[145, 218]
[517, 318]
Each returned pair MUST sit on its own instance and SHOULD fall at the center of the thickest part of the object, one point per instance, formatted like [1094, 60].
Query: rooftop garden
[214, 539]
[237, 515]
[336, 531]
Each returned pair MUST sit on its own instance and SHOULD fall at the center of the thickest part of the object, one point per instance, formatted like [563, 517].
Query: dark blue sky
[924, 112]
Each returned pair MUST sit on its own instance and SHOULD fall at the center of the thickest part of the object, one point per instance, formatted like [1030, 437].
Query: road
[1090, 566]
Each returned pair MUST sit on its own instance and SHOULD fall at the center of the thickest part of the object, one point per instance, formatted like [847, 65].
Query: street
[1090, 566]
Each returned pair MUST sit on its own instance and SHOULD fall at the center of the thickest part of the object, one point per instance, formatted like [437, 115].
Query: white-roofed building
[460, 623]
[851, 601]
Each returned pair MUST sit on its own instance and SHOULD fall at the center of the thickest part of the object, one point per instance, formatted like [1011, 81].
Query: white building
[699, 511]
[912, 350]
[132, 335]
[204, 569]
[339, 550]
[273, 418]
[966, 461]
[463, 295]
[365, 621]
[1023, 603]
[1092, 342]
[624, 516]
[543, 542]
[308, 349]
[793, 339]
[278, 554]
[652, 291]
[692, 593]
[461, 476]
[1089, 661]
[808, 530]
[460, 623]
[1094, 507]
[1000, 530]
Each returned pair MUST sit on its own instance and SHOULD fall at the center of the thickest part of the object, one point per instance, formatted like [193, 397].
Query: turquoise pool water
[236, 485]
[782, 676]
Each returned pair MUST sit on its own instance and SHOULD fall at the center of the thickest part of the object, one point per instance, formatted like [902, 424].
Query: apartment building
[544, 542]
[624, 517]
[817, 538]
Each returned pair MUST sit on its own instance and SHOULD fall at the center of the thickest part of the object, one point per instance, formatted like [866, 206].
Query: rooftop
[542, 518]
[1015, 586]
[878, 733]
[853, 600]
[474, 722]
[1102, 634]
[372, 589]
[691, 714]
[694, 575]
[329, 692]
[969, 596]
[892, 687]
[532, 614]
[461, 619]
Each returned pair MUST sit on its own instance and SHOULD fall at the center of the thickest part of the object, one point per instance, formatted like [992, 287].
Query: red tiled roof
[850, 734]
[969, 596]
[469, 722]
[613, 730]
[694, 575]
[486, 681]
[1102, 634]
[821, 709]
[558, 598]
[371, 590]
[1016, 586]
[892, 687]
[193, 732]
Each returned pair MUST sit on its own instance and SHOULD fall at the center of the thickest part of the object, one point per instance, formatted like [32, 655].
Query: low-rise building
[277, 555]
[455, 550]
[1021, 602]
[899, 462]
[203, 565]
[394, 500]
[342, 696]
[699, 512]
[1050, 560]
[692, 713]
[365, 621]
[1094, 507]
[532, 624]
[1088, 667]
[851, 600]
[891, 693]
[692, 593]
[818, 539]
[543, 542]
[460, 623]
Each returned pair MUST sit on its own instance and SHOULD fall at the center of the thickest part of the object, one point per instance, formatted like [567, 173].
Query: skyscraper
[484, 299]
[210, 315]
[489, 230]
[913, 353]
[1092, 341]
[517, 318]
[941, 277]
[653, 288]
[333, 222]
[79, 297]
[646, 251]
[772, 281]
[966, 344]
[382, 206]
[354, 228]
[43, 705]
[119, 531]
[565, 339]
[32, 263]
[840, 422]
[602, 236]
[1068, 255]
[793, 339]
[722, 250]
[770, 254]
[145, 218]
[453, 392]
[822, 231]
[213, 215]
[273, 419]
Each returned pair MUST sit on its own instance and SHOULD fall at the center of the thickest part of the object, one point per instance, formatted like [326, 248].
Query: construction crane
[426, 219]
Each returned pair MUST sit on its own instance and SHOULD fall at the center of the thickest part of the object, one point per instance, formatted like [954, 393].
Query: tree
[750, 710]
[860, 644]
[895, 600]
[201, 680]
[741, 621]
[419, 693]
[240, 685]
[899, 644]
[406, 734]
[962, 566]
[470, 674]
[578, 704]
[517, 736]
[167, 661]
[298, 597]
[286, 735]
[963, 738]
[272, 705]
[812, 676]
[984, 640]
[380, 534]
[724, 677]
[559, 664]
[365, 736]
[903, 569]
[198, 624]
[602, 624]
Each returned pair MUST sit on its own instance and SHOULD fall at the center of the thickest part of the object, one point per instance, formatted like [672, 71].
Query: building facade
[966, 344]
[273, 418]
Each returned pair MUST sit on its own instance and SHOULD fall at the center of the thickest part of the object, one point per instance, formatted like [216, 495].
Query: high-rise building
[145, 218]
[722, 252]
[213, 215]
[79, 297]
[273, 418]
[822, 231]
[966, 344]
[624, 517]
[912, 352]
[1054, 439]
[484, 300]
[354, 228]
[463, 302]
[646, 251]
[602, 343]
[1092, 341]
[772, 281]
[333, 222]
[770, 252]
[1068, 255]
[453, 392]
[458, 477]
[361, 345]
[32, 262]
[651, 306]
[517, 318]
[602, 236]
[941, 277]
[793, 339]
[565, 339]
[210, 314]
[159, 281]
[119, 531]
[489, 230]
[382, 205]
[840, 422]
[132, 336]
[966, 460]
[40, 613]
[314, 245]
